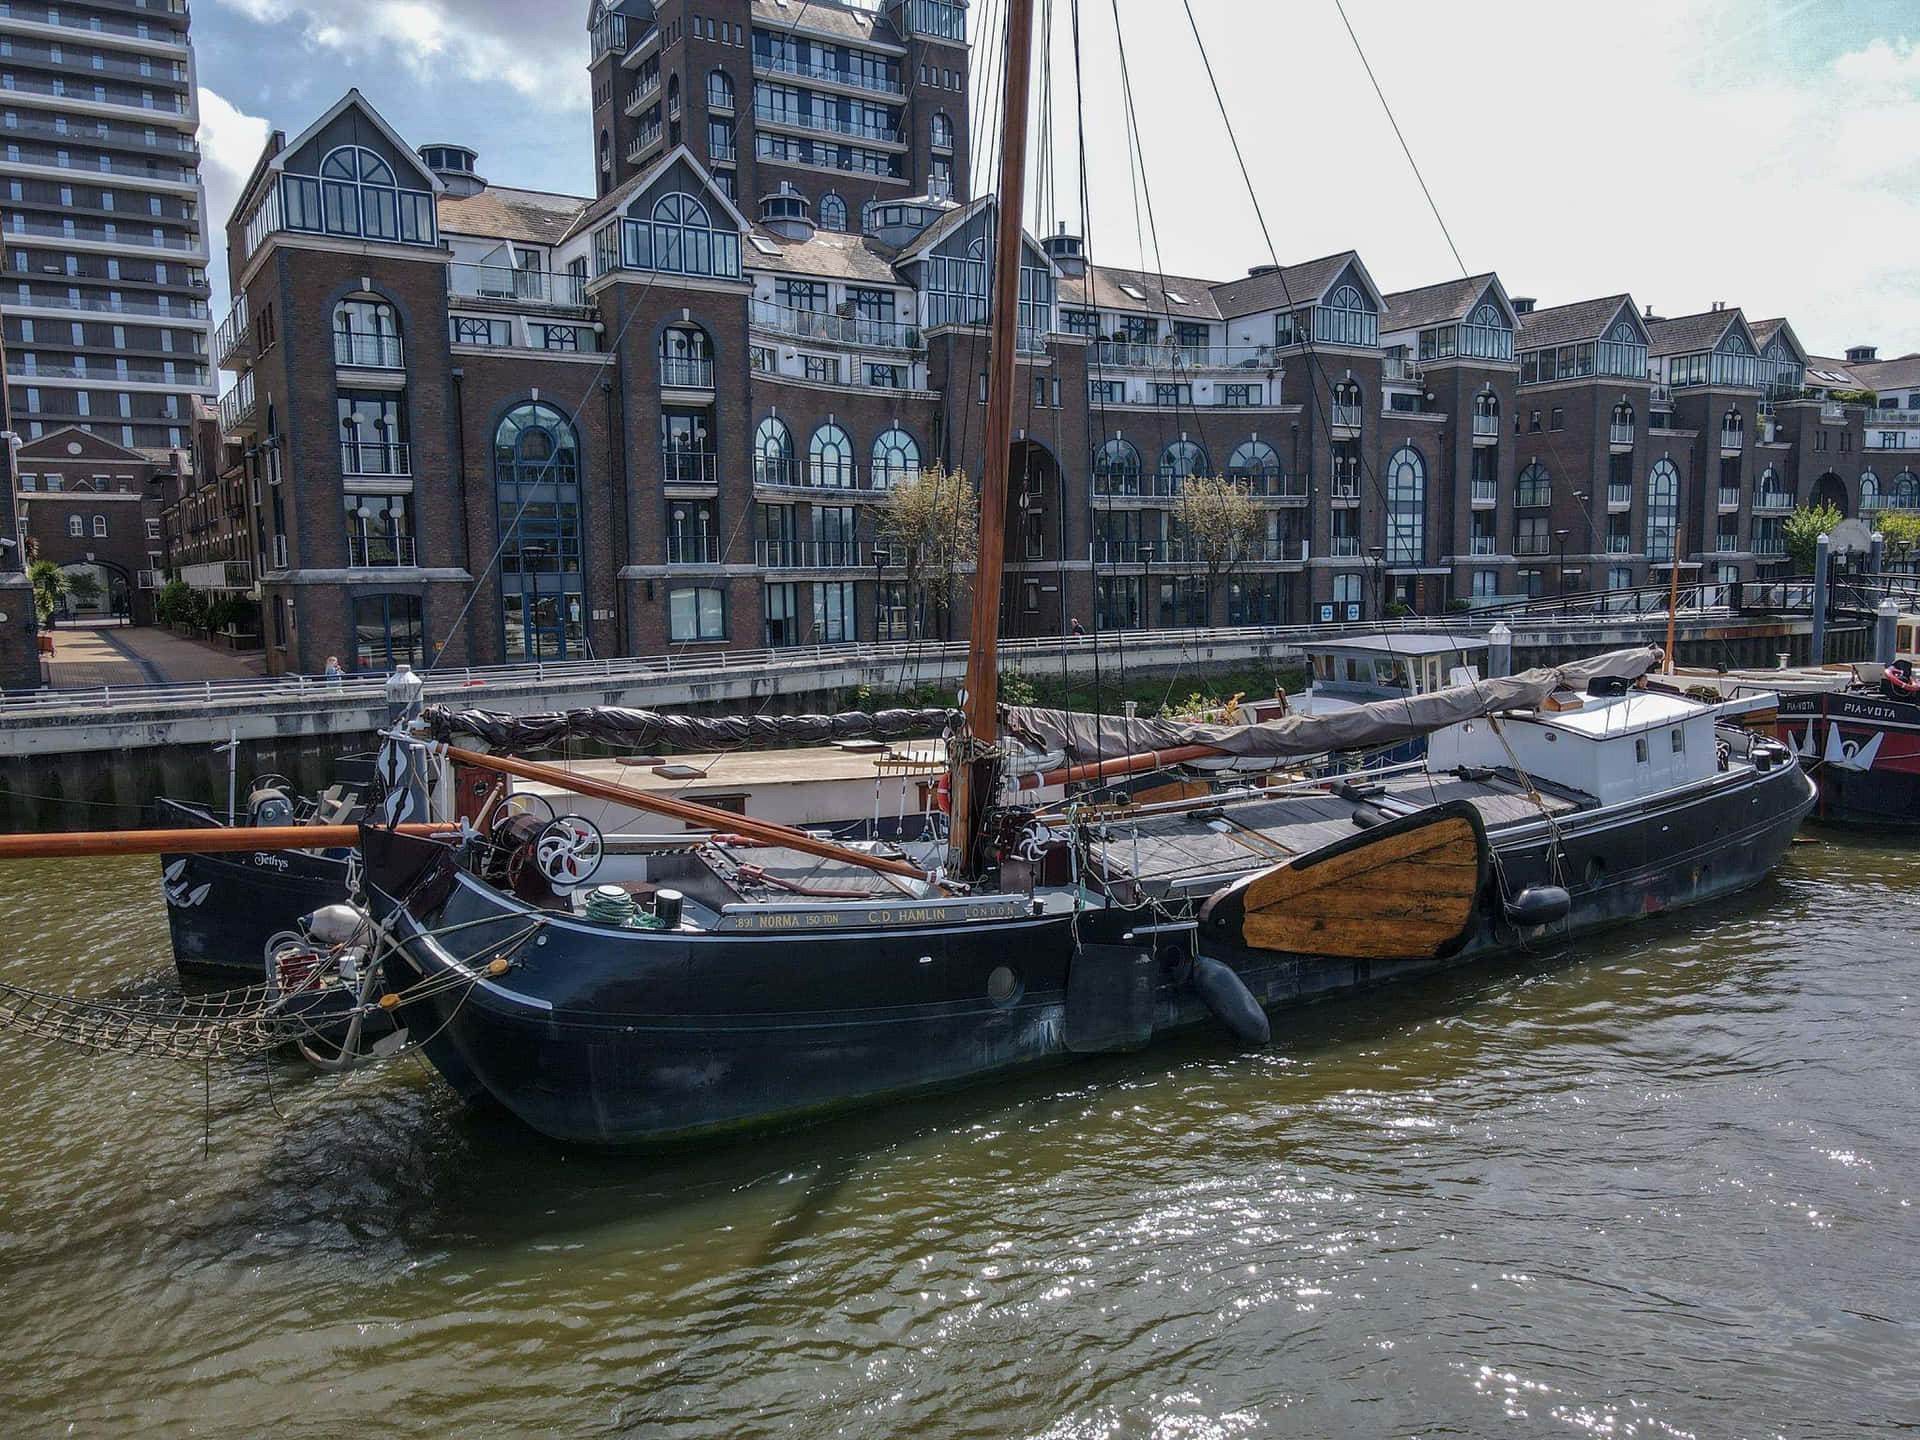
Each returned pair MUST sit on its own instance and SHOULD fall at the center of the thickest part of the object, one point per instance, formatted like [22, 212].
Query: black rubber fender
[1226, 995]
[1539, 905]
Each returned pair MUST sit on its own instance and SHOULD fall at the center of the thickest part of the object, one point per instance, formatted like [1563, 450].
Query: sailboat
[683, 988]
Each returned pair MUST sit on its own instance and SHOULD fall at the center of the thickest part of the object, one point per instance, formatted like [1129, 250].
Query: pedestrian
[334, 673]
[1076, 626]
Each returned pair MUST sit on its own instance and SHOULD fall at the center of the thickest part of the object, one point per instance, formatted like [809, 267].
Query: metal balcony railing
[363, 457]
[686, 372]
[1618, 434]
[809, 70]
[688, 467]
[1619, 496]
[1344, 489]
[1732, 439]
[693, 550]
[369, 352]
[1344, 417]
[1728, 497]
[379, 551]
[836, 329]
[117, 235]
[1485, 426]
[1619, 544]
[1769, 547]
[237, 405]
[1344, 547]
[162, 308]
[1772, 500]
[809, 554]
[1532, 545]
[1166, 356]
[235, 334]
[1484, 492]
[1402, 369]
[505, 283]
[826, 125]
[1483, 545]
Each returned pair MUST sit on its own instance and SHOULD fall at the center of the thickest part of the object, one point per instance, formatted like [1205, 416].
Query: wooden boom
[689, 812]
[230, 840]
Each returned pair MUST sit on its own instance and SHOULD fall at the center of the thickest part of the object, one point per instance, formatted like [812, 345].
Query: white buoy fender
[1226, 995]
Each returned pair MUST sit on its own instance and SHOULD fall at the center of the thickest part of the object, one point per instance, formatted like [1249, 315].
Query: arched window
[1623, 415]
[773, 453]
[686, 358]
[359, 196]
[1663, 509]
[941, 131]
[1869, 492]
[99, 526]
[1486, 406]
[1406, 507]
[1179, 463]
[1255, 465]
[1772, 492]
[1732, 425]
[1116, 469]
[1906, 491]
[719, 90]
[1345, 319]
[1534, 488]
[830, 458]
[896, 458]
[76, 526]
[833, 212]
[606, 150]
[536, 476]
[1346, 396]
[366, 334]
[682, 238]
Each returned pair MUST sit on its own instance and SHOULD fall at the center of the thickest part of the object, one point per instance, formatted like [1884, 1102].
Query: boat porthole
[1003, 986]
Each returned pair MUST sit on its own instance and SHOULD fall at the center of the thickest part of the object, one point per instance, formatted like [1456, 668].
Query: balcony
[1532, 545]
[644, 89]
[1483, 545]
[1486, 429]
[643, 142]
[686, 372]
[809, 554]
[164, 308]
[376, 458]
[1484, 492]
[834, 329]
[1344, 417]
[1344, 489]
[233, 341]
[828, 125]
[1138, 487]
[1619, 544]
[1732, 441]
[111, 235]
[689, 467]
[1402, 370]
[1620, 437]
[237, 405]
[1724, 544]
[369, 352]
[812, 70]
[1769, 547]
[1619, 496]
[1166, 356]
[1772, 501]
[1344, 547]
[503, 284]
[373, 552]
[1283, 489]
[693, 550]
[120, 373]
[1279, 552]
[722, 150]
[1729, 497]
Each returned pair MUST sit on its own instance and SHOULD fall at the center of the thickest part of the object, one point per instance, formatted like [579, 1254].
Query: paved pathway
[87, 655]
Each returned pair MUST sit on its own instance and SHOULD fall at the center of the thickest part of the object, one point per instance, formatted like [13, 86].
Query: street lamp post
[1560, 539]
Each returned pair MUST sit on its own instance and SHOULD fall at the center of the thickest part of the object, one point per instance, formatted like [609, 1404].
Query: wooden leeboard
[1404, 890]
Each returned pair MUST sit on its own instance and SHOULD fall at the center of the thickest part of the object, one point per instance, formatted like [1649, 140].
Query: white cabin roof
[1606, 716]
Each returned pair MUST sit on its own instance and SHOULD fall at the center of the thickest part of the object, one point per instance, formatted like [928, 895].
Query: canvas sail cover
[649, 730]
[1364, 727]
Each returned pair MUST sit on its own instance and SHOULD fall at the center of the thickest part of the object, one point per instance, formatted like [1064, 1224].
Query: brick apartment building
[92, 507]
[520, 425]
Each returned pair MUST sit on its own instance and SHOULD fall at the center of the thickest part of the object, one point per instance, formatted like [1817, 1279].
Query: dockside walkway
[89, 654]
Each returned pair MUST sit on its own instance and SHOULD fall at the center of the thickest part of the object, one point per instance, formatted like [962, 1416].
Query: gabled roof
[1105, 287]
[1688, 334]
[828, 254]
[1304, 284]
[497, 213]
[1900, 373]
[353, 99]
[1765, 330]
[838, 20]
[94, 445]
[923, 243]
[1570, 324]
[617, 198]
[1450, 300]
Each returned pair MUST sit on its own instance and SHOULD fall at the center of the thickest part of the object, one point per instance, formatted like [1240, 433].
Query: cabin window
[1906, 638]
[1640, 750]
[1679, 742]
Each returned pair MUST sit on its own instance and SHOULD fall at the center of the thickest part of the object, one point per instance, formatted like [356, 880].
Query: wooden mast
[973, 774]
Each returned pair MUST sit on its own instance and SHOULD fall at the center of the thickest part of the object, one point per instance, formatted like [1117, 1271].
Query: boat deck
[1196, 850]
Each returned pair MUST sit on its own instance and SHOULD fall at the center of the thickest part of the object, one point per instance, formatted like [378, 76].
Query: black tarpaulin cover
[1364, 727]
[649, 729]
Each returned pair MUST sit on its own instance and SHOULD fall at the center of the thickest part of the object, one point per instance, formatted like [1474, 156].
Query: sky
[1764, 153]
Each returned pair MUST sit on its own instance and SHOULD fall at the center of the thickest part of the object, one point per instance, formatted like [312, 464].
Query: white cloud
[537, 51]
[231, 143]
[1578, 150]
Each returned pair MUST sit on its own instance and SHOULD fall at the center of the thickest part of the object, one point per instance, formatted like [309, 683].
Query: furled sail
[649, 729]
[1364, 727]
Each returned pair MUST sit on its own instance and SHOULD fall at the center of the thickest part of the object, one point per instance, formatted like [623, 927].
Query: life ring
[943, 794]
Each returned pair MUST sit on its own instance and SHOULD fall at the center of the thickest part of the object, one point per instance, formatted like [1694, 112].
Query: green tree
[932, 524]
[1220, 525]
[49, 583]
[1900, 529]
[1802, 530]
[82, 586]
[170, 607]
